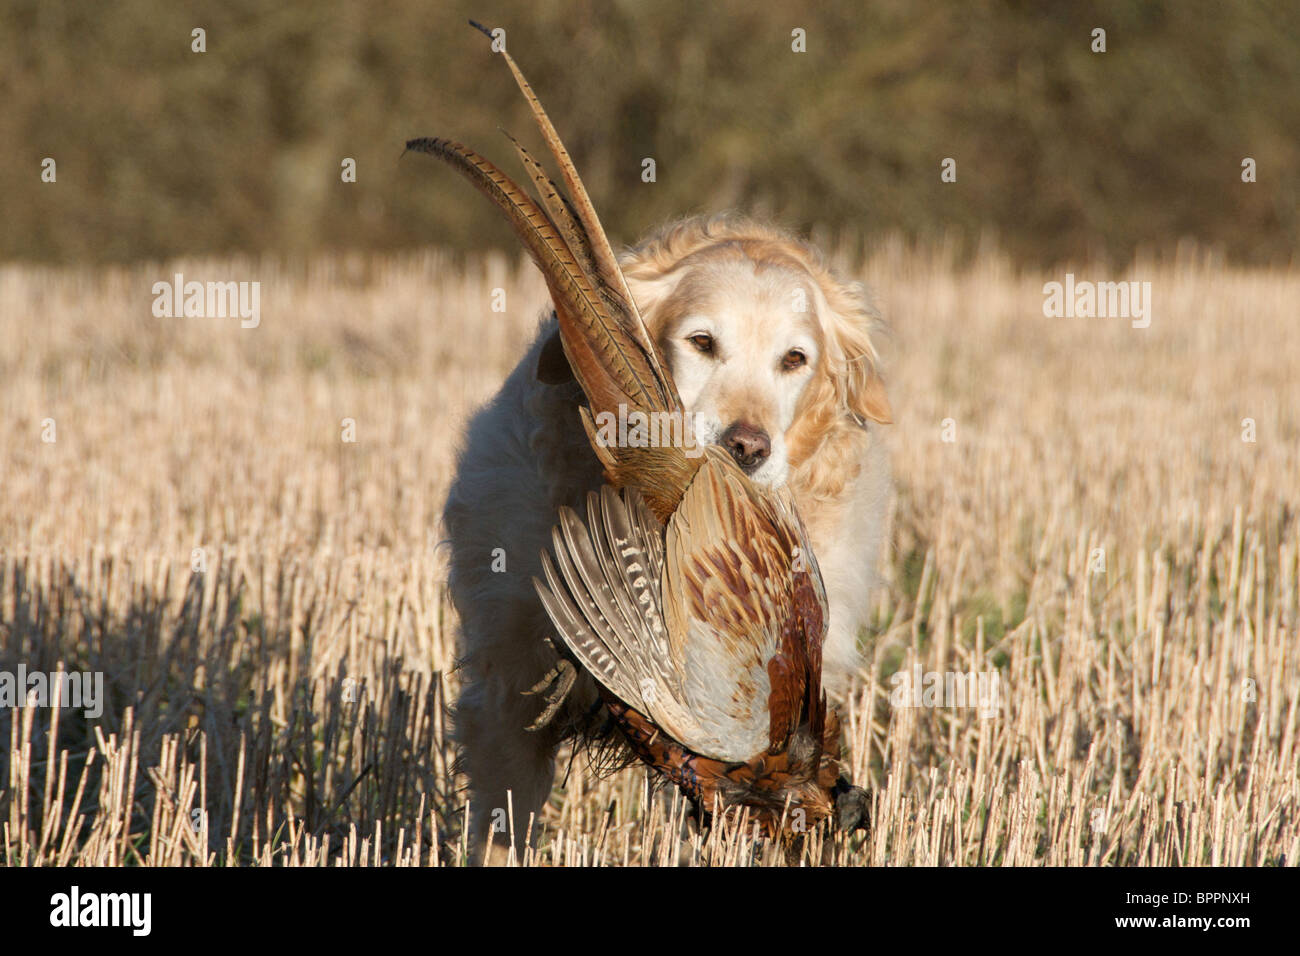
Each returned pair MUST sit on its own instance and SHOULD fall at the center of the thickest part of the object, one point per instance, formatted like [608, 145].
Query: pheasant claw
[560, 680]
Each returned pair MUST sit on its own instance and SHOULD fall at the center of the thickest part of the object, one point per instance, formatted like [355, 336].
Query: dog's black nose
[750, 446]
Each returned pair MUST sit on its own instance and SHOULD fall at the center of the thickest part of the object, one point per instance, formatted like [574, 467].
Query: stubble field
[1099, 530]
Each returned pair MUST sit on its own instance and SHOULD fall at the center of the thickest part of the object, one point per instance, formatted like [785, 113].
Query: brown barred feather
[611, 366]
[601, 252]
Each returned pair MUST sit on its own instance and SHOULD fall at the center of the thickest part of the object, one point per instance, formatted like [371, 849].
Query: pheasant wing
[711, 631]
[745, 605]
[602, 593]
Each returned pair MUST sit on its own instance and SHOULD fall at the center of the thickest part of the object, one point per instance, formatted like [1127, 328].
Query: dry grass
[1130, 733]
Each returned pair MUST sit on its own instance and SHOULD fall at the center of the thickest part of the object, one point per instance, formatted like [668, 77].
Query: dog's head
[768, 348]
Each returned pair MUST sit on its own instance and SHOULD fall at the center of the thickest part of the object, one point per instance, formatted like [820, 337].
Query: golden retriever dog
[772, 353]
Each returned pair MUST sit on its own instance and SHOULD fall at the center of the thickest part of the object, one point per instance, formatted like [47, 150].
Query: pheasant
[690, 594]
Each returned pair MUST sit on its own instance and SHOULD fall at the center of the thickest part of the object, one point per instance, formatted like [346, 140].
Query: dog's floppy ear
[854, 364]
[552, 364]
[868, 399]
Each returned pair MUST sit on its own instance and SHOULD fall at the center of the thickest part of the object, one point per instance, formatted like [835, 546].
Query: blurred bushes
[1060, 152]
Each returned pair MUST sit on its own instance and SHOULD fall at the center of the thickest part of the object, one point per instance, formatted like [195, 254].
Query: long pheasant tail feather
[603, 254]
[533, 227]
[611, 369]
[559, 207]
[598, 248]
[570, 227]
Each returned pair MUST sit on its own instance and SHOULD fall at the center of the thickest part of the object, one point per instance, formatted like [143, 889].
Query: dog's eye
[793, 359]
[703, 342]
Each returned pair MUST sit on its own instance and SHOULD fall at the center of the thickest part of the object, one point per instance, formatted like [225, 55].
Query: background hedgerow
[1062, 153]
